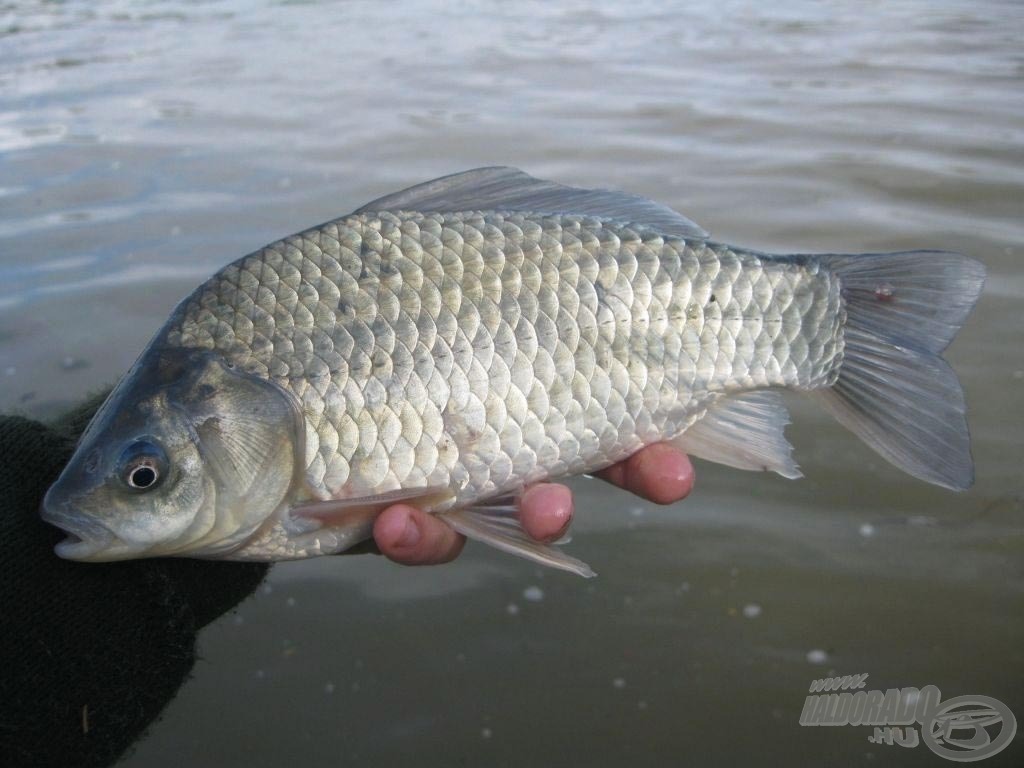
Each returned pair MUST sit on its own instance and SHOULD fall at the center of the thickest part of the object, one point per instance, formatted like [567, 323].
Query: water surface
[145, 144]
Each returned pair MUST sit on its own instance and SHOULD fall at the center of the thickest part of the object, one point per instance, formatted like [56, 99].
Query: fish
[450, 344]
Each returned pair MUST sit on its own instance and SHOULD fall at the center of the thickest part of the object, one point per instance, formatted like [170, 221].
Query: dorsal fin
[509, 189]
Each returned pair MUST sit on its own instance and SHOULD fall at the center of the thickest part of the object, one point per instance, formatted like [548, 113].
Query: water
[143, 145]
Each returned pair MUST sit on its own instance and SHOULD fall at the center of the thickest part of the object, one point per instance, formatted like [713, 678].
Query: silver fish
[449, 344]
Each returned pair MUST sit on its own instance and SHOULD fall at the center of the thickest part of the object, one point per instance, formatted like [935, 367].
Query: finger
[545, 511]
[658, 473]
[411, 537]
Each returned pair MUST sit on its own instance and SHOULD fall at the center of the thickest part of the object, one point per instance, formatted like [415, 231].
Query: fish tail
[894, 390]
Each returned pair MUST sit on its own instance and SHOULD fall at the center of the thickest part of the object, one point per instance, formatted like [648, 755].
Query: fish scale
[488, 350]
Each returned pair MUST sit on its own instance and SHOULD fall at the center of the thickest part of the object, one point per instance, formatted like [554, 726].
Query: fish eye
[142, 476]
[142, 466]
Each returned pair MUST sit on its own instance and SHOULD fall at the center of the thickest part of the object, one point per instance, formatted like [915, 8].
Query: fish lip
[74, 547]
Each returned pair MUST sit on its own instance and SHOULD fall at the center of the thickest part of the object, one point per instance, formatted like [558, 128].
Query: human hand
[659, 473]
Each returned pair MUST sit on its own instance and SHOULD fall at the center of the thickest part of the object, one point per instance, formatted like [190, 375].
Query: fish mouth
[82, 543]
[89, 542]
[86, 539]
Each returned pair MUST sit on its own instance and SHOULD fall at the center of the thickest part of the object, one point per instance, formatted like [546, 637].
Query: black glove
[91, 652]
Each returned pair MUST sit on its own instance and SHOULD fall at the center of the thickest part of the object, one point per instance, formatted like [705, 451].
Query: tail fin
[894, 390]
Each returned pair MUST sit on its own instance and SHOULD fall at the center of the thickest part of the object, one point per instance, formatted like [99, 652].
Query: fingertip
[545, 511]
[395, 529]
[660, 473]
[408, 536]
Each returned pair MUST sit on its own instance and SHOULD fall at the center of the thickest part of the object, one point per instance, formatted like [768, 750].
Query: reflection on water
[144, 144]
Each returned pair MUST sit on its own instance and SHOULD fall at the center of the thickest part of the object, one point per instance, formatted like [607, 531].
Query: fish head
[188, 456]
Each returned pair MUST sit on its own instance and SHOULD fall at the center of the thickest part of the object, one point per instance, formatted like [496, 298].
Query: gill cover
[218, 450]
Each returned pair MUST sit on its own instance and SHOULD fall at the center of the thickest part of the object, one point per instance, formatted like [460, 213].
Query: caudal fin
[894, 390]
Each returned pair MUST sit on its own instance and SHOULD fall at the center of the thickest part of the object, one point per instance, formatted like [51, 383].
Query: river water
[145, 144]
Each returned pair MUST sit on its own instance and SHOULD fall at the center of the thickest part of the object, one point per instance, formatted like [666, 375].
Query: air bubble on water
[734, 572]
[512, 609]
[867, 530]
[10, 370]
[637, 511]
[260, 674]
[175, 230]
[1018, 375]
[290, 602]
[239, 619]
[354, 687]
[533, 594]
[684, 587]
[328, 688]
[642, 704]
[268, 588]
[486, 733]
[284, 182]
[751, 610]
[817, 656]
[71, 363]
[619, 682]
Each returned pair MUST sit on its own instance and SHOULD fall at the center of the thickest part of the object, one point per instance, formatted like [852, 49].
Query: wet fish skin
[485, 351]
[479, 351]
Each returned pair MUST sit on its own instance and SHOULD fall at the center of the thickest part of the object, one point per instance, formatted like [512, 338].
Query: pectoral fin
[744, 431]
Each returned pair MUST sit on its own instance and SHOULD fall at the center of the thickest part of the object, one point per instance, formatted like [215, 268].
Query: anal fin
[743, 431]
